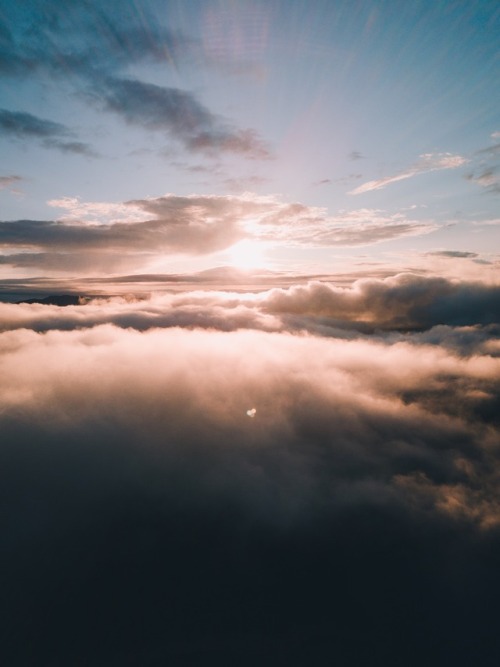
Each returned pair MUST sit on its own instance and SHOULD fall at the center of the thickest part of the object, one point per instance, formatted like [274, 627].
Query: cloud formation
[406, 304]
[96, 234]
[487, 177]
[23, 125]
[7, 181]
[90, 48]
[149, 518]
[427, 162]
[178, 113]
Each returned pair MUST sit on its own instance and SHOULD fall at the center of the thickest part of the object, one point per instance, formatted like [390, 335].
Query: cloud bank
[119, 236]
[211, 478]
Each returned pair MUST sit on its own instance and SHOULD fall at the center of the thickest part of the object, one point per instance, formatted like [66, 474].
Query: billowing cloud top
[140, 495]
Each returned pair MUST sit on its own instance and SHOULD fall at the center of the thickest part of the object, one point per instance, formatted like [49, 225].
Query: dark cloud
[84, 38]
[85, 242]
[149, 519]
[89, 46]
[178, 113]
[194, 225]
[453, 254]
[406, 301]
[23, 125]
[355, 155]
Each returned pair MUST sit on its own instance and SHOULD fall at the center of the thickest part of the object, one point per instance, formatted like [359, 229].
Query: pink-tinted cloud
[164, 463]
[109, 236]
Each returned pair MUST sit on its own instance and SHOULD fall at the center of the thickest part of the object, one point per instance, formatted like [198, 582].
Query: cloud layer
[211, 478]
[109, 237]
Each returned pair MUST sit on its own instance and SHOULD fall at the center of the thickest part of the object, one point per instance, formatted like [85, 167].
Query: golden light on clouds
[248, 254]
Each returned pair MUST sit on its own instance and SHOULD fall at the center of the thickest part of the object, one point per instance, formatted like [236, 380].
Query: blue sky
[323, 135]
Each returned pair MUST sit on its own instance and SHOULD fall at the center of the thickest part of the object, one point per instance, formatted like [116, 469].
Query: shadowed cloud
[52, 135]
[139, 489]
[193, 224]
[88, 46]
[178, 113]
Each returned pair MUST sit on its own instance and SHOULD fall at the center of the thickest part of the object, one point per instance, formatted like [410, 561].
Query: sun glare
[247, 255]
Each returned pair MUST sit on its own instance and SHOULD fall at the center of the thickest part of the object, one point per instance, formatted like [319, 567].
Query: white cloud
[97, 212]
[428, 162]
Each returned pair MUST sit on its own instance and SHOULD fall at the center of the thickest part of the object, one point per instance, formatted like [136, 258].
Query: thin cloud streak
[23, 125]
[427, 163]
[8, 181]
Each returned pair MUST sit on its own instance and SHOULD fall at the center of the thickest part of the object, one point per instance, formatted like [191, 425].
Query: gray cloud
[178, 113]
[82, 38]
[89, 46]
[23, 125]
[191, 235]
[405, 301]
[196, 224]
[460, 254]
[487, 177]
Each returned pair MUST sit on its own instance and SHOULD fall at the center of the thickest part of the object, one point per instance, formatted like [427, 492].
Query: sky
[249, 333]
[172, 137]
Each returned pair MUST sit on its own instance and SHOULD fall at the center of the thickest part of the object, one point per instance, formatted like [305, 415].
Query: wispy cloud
[453, 254]
[428, 162]
[8, 181]
[180, 115]
[21, 125]
[297, 224]
[90, 48]
[486, 171]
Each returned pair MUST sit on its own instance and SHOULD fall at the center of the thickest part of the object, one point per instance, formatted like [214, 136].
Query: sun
[247, 254]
